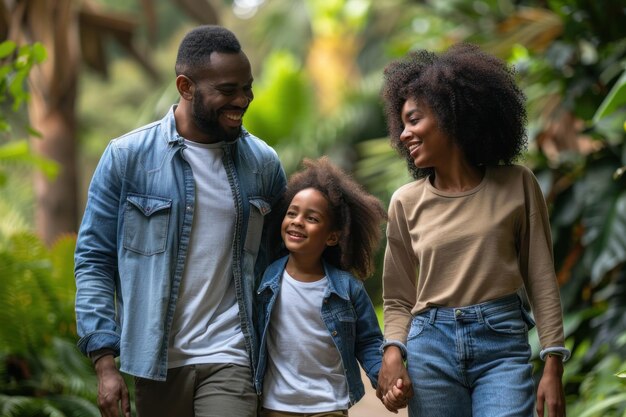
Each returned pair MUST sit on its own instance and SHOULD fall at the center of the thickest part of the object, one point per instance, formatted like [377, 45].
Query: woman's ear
[185, 87]
[333, 239]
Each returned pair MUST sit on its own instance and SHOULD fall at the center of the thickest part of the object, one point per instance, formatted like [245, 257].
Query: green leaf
[14, 150]
[33, 132]
[621, 374]
[39, 52]
[602, 405]
[5, 70]
[19, 151]
[613, 250]
[615, 99]
[16, 89]
[7, 48]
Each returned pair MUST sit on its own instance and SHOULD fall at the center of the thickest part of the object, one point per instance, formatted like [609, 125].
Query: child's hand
[397, 397]
[394, 386]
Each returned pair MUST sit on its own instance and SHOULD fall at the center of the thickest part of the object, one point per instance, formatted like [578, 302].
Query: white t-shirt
[206, 326]
[304, 369]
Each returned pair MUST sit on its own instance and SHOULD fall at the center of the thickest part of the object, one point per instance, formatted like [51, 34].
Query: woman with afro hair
[468, 244]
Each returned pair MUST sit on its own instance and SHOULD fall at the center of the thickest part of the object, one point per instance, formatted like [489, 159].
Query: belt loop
[433, 315]
[479, 313]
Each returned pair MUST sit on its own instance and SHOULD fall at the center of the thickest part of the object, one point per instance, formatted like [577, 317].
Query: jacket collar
[338, 280]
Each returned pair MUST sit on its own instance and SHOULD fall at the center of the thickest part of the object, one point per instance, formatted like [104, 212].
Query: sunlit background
[99, 68]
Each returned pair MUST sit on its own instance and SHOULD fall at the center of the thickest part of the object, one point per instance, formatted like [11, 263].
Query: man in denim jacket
[170, 244]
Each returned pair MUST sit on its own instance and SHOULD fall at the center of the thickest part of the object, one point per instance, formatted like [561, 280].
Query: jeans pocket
[417, 327]
[146, 222]
[507, 322]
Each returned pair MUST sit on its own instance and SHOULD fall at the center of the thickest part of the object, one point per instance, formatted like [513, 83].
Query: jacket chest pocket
[346, 320]
[146, 222]
[259, 208]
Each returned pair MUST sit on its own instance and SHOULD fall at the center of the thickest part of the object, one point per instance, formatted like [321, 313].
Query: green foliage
[601, 392]
[18, 152]
[16, 64]
[14, 70]
[42, 373]
[615, 100]
[37, 292]
[282, 108]
[588, 206]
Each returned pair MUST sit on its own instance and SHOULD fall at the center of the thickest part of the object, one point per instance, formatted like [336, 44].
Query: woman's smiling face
[428, 145]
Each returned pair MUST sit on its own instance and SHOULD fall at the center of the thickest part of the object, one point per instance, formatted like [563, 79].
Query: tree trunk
[52, 109]
[56, 199]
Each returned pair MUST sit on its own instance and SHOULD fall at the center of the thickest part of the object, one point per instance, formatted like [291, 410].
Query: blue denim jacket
[133, 241]
[349, 316]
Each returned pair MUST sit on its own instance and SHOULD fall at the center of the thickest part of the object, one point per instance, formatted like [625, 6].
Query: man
[170, 244]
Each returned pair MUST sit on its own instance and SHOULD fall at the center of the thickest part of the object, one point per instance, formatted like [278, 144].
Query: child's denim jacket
[349, 316]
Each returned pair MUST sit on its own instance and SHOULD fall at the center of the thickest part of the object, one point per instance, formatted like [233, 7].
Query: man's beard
[207, 121]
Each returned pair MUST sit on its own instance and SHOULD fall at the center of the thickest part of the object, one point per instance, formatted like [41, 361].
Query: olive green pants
[207, 390]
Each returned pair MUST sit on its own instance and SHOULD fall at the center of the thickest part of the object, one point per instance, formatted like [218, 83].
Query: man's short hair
[198, 45]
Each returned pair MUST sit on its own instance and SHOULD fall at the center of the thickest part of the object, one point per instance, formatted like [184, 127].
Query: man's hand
[112, 390]
[550, 394]
[394, 386]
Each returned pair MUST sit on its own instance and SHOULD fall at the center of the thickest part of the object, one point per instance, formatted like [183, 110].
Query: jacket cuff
[396, 343]
[99, 340]
[555, 350]
[100, 353]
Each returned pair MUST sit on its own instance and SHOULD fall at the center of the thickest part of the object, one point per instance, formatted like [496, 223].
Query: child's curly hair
[356, 214]
[473, 96]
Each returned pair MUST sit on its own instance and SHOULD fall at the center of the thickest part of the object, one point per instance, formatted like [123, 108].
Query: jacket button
[334, 333]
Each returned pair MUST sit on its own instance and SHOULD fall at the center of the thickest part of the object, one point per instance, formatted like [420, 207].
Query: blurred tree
[74, 32]
[41, 372]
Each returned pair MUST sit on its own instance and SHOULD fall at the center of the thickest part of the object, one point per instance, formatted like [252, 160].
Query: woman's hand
[394, 386]
[550, 394]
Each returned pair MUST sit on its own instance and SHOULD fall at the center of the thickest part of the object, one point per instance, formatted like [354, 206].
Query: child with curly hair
[315, 320]
[468, 243]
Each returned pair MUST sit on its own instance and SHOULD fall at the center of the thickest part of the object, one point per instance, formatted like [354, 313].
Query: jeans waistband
[474, 312]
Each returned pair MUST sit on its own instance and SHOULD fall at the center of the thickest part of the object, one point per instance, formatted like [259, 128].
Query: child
[315, 318]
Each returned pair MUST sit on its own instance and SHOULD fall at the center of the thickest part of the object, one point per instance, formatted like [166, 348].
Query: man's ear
[333, 239]
[185, 87]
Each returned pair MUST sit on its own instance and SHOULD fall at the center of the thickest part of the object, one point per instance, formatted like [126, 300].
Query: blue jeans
[471, 361]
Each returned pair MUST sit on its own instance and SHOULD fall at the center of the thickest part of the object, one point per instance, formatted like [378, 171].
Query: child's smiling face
[307, 227]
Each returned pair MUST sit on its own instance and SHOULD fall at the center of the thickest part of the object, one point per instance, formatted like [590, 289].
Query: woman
[467, 241]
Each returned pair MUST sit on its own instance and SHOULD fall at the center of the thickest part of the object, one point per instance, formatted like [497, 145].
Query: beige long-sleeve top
[457, 249]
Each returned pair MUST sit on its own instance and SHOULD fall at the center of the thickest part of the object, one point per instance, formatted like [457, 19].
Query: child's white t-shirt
[304, 369]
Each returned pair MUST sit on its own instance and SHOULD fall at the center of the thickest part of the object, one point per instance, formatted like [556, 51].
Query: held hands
[394, 386]
[112, 390]
[396, 398]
